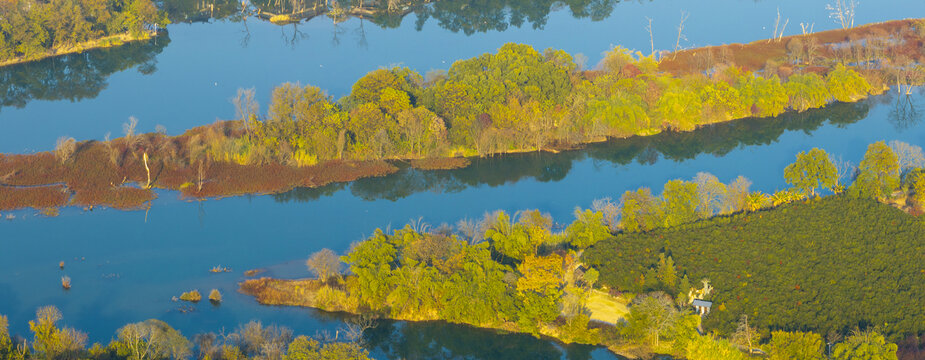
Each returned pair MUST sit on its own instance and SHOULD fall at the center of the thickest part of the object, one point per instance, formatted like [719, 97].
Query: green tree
[305, 348]
[651, 317]
[51, 342]
[477, 292]
[417, 291]
[6, 345]
[867, 345]
[539, 290]
[846, 85]
[766, 95]
[806, 91]
[371, 262]
[641, 211]
[795, 345]
[681, 201]
[587, 229]
[708, 347]
[916, 185]
[515, 71]
[508, 237]
[151, 339]
[812, 170]
[878, 172]
[666, 272]
[679, 107]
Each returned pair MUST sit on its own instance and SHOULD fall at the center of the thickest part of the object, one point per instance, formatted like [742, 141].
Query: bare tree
[684, 16]
[737, 195]
[711, 193]
[208, 346]
[262, 342]
[904, 113]
[844, 167]
[657, 313]
[129, 128]
[324, 264]
[355, 327]
[65, 149]
[745, 335]
[651, 37]
[473, 230]
[419, 226]
[809, 27]
[842, 12]
[909, 156]
[779, 34]
[611, 211]
[246, 107]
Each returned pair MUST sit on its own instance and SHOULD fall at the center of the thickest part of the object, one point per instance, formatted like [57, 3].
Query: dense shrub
[822, 265]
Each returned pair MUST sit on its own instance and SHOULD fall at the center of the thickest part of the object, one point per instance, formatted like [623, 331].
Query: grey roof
[704, 303]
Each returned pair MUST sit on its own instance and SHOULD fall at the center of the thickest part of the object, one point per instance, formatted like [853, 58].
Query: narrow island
[706, 270]
[35, 30]
[515, 100]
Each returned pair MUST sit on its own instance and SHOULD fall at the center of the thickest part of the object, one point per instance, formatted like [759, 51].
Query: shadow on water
[75, 76]
[718, 140]
[439, 340]
[464, 16]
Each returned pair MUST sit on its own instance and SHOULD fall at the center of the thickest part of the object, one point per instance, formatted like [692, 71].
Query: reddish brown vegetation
[37, 197]
[756, 55]
[440, 163]
[912, 348]
[113, 174]
[270, 291]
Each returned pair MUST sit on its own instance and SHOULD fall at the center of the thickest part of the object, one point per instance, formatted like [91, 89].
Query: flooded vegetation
[313, 130]
[547, 102]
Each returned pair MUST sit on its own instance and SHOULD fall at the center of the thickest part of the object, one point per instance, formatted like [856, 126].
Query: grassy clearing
[606, 308]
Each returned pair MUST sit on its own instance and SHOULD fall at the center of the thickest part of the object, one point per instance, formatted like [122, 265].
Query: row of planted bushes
[864, 255]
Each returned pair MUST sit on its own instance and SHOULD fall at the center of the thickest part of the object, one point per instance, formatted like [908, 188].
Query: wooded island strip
[515, 100]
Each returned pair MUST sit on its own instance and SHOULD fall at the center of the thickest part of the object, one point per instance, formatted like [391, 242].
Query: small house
[702, 306]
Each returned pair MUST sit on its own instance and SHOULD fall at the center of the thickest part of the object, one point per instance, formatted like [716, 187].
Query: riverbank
[101, 43]
[740, 251]
[334, 297]
[318, 143]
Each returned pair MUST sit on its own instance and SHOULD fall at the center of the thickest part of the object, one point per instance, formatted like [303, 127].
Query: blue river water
[127, 265]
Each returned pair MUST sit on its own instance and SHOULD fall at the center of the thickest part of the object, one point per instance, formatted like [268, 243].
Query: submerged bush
[215, 296]
[192, 296]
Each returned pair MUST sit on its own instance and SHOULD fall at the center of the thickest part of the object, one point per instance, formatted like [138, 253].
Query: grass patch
[606, 308]
[440, 163]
